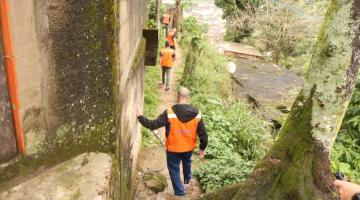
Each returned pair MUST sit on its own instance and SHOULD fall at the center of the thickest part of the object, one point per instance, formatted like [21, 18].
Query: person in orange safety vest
[171, 38]
[165, 20]
[167, 59]
[183, 125]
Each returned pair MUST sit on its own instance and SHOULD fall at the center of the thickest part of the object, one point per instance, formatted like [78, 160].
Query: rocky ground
[269, 87]
[84, 177]
[157, 186]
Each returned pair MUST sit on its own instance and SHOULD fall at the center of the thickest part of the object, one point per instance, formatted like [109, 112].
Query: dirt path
[155, 158]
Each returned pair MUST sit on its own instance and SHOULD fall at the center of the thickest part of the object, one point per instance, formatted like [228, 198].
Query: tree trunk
[177, 14]
[191, 59]
[158, 6]
[297, 167]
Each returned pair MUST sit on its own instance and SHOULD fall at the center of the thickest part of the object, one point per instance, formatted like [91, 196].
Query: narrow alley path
[155, 158]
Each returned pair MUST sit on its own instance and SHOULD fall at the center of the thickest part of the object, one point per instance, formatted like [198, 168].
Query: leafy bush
[191, 28]
[346, 153]
[237, 137]
[151, 7]
[218, 173]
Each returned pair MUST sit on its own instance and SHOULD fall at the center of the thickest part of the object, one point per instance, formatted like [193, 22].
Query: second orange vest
[167, 57]
[170, 38]
[182, 135]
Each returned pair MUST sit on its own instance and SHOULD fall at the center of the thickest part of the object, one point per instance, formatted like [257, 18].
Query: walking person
[167, 61]
[183, 124]
[171, 38]
[165, 20]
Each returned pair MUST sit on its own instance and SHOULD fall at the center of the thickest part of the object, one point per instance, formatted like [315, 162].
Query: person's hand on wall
[140, 117]
[346, 189]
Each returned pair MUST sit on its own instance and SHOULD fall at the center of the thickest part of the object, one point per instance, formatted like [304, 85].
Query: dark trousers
[166, 76]
[166, 27]
[173, 163]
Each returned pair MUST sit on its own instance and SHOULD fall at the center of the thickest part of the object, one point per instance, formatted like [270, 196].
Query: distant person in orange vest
[165, 20]
[167, 59]
[183, 125]
[171, 38]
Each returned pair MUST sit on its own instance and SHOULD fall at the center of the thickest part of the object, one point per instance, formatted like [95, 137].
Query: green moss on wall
[139, 55]
[83, 35]
[84, 57]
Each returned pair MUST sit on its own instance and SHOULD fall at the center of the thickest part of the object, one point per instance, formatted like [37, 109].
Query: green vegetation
[283, 29]
[259, 22]
[151, 101]
[151, 94]
[345, 156]
[152, 13]
[237, 137]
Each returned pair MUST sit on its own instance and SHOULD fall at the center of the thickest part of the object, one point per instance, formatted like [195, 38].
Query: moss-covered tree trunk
[191, 59]
[297, 167]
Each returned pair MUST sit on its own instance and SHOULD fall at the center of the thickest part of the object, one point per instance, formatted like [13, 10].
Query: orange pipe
[10, 65]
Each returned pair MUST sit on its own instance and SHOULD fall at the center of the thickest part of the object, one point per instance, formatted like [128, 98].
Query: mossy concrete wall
[65, 54]
[80, 69]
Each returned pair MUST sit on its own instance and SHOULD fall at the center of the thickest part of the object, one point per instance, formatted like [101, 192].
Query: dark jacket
[185, 113]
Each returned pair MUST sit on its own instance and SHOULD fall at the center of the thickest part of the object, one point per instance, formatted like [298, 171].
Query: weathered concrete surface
[7, 135]
[81, 68]
[54, 49]
[267, 85]
[240, 50]
[130, 88]
[29, 26]
[84, 177]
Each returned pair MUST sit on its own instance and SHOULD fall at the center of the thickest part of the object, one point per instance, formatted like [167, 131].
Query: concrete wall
[7, 135]
[131, 49]
[80, 67]
[35, 74]
[65, 55]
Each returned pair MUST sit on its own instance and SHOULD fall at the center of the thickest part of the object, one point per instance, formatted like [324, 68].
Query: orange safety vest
[170, 38]
[167, 56]
[166, 19]
[182, 135]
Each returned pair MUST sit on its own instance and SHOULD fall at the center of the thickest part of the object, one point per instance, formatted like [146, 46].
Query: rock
[167, 196]
[155, 182]
[267, 86]
[84, 177]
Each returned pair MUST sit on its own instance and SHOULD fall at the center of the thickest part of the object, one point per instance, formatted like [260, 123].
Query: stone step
[85, 177]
